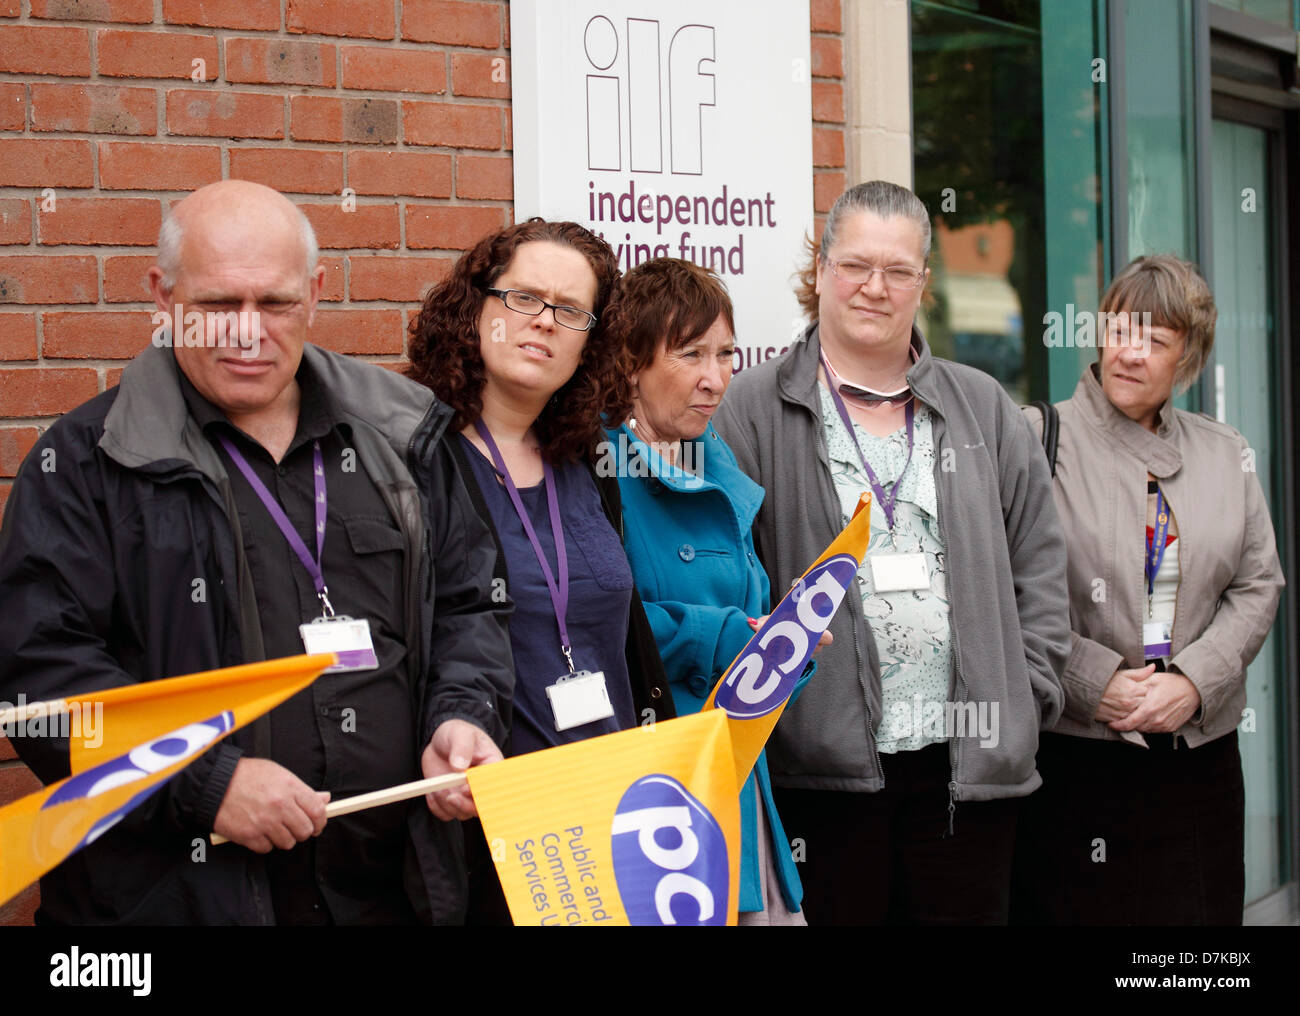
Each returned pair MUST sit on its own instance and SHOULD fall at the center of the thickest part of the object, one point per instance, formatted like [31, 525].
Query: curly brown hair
[446, 357]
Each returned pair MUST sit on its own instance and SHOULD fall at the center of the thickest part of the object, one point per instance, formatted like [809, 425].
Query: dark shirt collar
[317, 414]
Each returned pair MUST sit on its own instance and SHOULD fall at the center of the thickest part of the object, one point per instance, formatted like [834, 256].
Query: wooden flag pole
[401, 792]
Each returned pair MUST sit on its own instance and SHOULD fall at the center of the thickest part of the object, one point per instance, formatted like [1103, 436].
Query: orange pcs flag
[140, 735]
[758, 684]
[639, 827]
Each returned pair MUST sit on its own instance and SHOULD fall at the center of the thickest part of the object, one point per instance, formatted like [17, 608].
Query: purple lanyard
[1156, 547]
[559, 591]
[282, 520]
[885, 501]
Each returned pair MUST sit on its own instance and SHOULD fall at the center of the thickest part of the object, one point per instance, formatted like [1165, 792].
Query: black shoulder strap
[1051, 430]
[476, 497]
[611, 498]
[645, 667]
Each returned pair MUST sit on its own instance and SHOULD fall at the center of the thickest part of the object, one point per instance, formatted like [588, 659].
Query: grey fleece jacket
[1005, 570]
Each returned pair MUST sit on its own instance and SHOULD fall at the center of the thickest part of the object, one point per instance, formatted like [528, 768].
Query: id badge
[895, 573]
[579, 698]
[1156, 639]
[347, 637]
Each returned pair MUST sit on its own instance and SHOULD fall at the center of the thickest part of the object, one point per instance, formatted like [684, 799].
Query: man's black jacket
[121, 561]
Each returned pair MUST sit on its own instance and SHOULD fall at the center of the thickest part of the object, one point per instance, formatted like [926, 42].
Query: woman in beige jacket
[1174, 581]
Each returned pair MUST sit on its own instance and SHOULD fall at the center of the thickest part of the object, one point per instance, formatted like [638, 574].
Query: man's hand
[267, 806]
[826, 637]
[1124, 693]
[456, 745]
[1171, 700]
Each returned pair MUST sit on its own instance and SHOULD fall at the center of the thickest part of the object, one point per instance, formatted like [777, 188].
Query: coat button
[699, 684]
[686, 552]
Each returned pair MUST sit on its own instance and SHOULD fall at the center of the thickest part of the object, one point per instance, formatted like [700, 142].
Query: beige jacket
[1231, 579]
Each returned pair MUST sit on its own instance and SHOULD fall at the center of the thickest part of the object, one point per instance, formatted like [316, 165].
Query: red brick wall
[104, 122]
[827, 44]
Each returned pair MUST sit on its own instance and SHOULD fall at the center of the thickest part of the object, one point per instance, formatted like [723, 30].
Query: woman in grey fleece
[901, 768]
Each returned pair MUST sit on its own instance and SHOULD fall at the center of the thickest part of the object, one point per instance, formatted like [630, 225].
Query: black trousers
[888, 858]
[1120, 834]
[487, 905]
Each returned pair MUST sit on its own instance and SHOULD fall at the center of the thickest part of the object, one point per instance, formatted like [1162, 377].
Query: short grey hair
[171, 238]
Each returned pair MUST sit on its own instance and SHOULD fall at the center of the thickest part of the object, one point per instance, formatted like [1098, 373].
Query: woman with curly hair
[513, 341]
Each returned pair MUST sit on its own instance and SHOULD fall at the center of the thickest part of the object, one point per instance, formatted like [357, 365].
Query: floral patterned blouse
[911, 628]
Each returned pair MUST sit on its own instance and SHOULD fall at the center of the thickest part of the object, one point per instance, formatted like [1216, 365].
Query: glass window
[1247, 366]
[1280, 12]
[1076, 177]
[978, 140]
[1007, 111]
[1160, 128]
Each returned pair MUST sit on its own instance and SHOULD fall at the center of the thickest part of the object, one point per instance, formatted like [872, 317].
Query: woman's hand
[826, 639]
[1124, 693]
[1170, 701]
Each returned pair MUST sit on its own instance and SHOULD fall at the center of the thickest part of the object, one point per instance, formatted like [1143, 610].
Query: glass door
[1241, 388]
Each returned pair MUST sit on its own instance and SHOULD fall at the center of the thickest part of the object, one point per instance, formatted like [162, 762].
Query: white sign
[674, 128]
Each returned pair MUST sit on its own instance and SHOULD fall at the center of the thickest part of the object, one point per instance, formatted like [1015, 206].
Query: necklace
[669, 451]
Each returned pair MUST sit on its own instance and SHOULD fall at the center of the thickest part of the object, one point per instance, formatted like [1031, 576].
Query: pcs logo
[139, 763]
[670, 857]
[771, 662]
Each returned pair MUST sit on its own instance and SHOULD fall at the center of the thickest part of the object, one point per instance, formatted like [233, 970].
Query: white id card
[893, 573]
[347, 637]
[579, 698]
[1156, 636]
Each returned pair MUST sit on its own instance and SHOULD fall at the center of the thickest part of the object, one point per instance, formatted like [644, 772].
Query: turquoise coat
[688, 539]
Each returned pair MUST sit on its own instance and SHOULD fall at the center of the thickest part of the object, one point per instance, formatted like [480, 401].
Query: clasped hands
[1146, 701]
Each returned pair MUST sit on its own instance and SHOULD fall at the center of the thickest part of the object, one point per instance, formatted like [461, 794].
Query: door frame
[1283, 125]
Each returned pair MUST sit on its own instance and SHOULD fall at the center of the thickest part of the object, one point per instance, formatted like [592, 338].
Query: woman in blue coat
[687, 512]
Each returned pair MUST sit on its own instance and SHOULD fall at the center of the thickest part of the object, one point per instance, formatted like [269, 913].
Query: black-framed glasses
[528, 303]
[855, 273]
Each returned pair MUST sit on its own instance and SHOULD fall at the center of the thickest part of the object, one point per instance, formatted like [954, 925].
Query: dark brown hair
[446, 356]
[1177, 297]
[667, 300]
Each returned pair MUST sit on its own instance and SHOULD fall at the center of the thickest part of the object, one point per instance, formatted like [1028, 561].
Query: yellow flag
[756, 687]
[638, 827]
[125, 744]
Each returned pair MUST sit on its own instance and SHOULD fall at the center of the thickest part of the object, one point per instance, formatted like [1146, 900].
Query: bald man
[170, 525]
